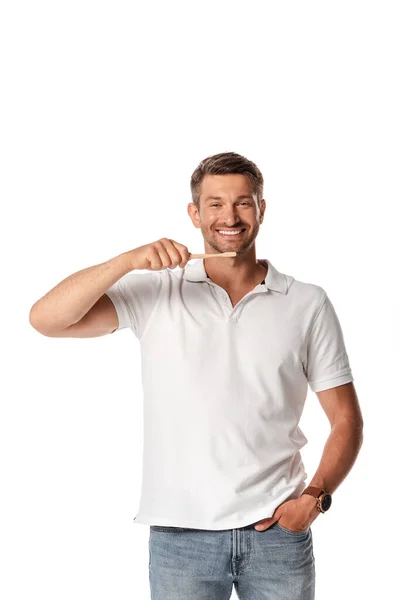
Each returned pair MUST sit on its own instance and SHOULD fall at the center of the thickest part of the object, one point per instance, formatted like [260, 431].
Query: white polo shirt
[224, 390]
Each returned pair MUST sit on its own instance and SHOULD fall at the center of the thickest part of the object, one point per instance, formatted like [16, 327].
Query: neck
[235, 273]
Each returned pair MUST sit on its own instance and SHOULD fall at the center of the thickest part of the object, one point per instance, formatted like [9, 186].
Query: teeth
[230, 232]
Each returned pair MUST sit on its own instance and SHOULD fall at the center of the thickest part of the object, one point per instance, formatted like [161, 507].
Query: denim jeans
[199, 564]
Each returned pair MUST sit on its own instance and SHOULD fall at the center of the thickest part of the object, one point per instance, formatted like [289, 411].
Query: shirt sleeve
[134, 297]
[327, 360]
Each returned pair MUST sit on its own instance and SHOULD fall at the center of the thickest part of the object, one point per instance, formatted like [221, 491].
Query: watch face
[326, 502]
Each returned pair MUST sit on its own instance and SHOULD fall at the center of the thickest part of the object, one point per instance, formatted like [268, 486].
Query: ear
[263, 207]
[193, 213]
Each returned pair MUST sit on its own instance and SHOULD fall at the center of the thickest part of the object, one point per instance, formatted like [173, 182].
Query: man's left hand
[297, 514]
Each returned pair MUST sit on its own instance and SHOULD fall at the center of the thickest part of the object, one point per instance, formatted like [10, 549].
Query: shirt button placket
[225, 302]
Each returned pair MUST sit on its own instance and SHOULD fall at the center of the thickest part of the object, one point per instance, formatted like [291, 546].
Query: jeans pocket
[291, 531]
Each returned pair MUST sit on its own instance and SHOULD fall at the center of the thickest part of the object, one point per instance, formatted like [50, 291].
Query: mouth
[230, 233]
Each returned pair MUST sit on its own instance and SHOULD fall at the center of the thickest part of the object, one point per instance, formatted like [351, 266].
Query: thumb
[265, 523]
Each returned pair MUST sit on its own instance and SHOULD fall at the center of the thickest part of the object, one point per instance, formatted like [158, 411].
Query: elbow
[34, 321]
[33, 318]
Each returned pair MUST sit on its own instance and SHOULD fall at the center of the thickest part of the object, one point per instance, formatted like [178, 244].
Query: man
[229, 347]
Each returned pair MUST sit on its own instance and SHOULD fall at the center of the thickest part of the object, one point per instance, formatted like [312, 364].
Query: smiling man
[229, 349]
[229, 218]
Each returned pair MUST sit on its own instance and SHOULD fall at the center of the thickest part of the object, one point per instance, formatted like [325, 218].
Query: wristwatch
[324, 500]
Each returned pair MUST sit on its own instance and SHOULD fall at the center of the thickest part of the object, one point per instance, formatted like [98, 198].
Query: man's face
[227, 204]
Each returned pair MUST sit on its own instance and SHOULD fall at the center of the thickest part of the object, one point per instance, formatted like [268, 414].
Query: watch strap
[313, 491]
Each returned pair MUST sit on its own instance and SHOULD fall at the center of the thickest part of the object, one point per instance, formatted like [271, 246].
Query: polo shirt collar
[274, 280]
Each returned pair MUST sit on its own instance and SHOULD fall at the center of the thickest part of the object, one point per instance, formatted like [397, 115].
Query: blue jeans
[199, 564]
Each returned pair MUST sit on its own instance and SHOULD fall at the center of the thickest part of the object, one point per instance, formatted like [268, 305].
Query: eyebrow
[219, 198]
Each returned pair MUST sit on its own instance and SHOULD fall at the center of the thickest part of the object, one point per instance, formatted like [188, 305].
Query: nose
[230, 216]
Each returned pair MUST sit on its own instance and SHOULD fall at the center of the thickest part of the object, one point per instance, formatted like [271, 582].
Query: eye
[246, 203]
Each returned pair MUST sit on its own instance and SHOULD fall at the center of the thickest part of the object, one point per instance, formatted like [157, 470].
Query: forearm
[67, 302]
[339, 455]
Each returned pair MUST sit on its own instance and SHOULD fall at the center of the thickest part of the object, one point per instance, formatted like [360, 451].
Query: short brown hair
[222, 164]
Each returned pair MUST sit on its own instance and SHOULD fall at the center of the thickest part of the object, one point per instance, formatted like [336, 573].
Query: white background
[106, 110]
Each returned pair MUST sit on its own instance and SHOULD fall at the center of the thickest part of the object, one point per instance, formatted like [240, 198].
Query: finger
[184, 253]
[159, 256]
[161, 259]
[264, 524]
[174, 255]
[155, 259]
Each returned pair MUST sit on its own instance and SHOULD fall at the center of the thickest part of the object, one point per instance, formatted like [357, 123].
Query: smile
[232, 233]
